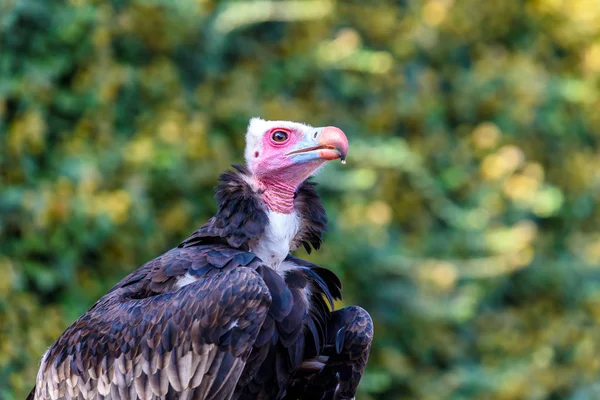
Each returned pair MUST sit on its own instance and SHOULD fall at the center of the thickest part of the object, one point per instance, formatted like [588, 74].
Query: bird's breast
[273, 246]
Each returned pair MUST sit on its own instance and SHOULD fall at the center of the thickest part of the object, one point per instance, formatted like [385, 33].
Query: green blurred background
[465, 221]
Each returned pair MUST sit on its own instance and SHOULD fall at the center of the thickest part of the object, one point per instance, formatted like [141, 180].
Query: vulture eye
[279, 136]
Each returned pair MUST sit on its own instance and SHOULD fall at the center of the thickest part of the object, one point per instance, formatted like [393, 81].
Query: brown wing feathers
[196, 338]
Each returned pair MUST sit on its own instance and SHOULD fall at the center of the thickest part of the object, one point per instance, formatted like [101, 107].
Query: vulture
[229, 313]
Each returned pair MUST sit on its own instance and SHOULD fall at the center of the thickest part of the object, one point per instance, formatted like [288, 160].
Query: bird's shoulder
[181, 266]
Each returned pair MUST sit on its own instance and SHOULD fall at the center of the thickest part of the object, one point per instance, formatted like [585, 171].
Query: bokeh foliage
[465, 220]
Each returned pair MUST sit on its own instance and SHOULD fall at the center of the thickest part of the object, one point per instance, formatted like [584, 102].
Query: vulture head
[281, 155]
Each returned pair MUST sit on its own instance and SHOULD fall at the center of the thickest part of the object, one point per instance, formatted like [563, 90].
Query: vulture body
[228, 314]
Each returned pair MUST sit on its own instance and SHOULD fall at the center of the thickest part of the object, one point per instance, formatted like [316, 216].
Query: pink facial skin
[280, 166]
[273, 164]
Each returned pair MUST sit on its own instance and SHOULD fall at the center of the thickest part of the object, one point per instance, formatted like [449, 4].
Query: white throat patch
[274, 244]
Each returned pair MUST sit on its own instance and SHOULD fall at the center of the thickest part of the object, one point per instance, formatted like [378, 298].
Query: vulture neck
[274, 245]
[249, 211]
[279, 196]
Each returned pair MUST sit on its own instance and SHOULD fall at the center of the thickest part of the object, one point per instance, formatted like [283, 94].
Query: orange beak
[333, 144]
[328, 144]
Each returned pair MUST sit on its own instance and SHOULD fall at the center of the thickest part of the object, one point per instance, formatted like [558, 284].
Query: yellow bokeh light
[520, 187]
[486, 135]
[504, 162]
[140, 150]
[534, 170]
[435, 12]
[379, 213]
[591, 59]
[440, 273]
[169, 131]
[347, 41]
[444, 274]
[115, 205]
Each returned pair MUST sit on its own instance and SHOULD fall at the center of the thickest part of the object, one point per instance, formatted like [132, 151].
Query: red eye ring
[279, 136]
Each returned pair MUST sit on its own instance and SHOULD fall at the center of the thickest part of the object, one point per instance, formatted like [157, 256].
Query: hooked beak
[328, 144]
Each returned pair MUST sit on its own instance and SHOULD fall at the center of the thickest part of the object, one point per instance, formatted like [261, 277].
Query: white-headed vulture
[229, 313]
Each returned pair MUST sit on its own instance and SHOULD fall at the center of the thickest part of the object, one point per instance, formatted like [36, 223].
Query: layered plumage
[210, 319]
